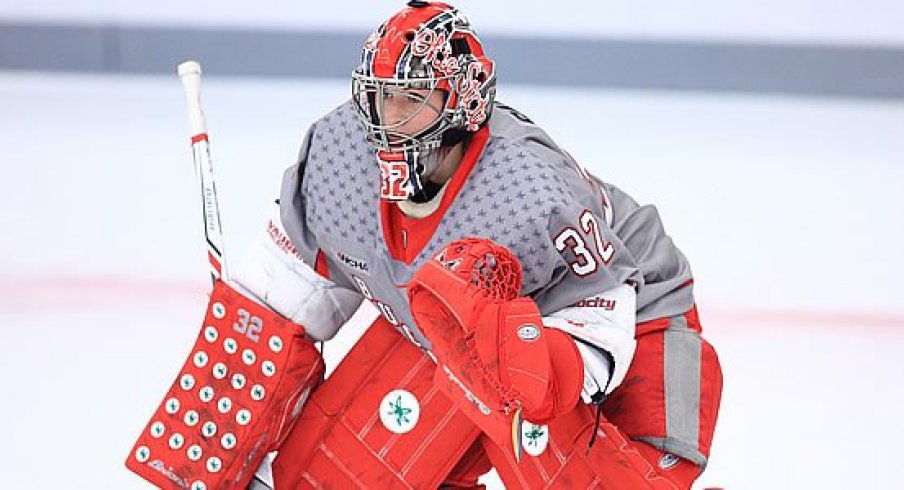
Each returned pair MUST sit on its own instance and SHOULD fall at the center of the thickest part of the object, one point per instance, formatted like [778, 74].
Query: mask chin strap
[453, 137]
[412, 159]
[425, 163]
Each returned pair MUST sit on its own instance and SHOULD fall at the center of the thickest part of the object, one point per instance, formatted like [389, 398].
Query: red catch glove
[496, 359]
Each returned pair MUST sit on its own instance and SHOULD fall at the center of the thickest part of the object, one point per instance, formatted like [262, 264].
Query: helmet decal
[435, 49]
[474, 102]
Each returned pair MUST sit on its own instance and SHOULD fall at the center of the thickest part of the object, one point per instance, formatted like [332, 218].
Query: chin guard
[399, 178]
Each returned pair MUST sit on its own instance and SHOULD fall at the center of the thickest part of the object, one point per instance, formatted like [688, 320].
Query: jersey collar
[406, 236]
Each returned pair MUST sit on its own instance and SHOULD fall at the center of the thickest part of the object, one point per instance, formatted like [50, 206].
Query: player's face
[410, 111]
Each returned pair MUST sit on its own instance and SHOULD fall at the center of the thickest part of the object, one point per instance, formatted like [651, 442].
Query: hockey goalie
[533, 318]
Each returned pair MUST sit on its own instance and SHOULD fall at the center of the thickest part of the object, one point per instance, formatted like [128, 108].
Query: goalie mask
[423, 86]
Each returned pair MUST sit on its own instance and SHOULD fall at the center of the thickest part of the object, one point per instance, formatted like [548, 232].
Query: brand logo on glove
[469, 395]
[528, 332]
[282, 241]
[168, 472]
[668, 461]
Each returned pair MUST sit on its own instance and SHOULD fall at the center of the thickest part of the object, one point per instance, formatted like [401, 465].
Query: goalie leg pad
[377, 422]
[558, 456]
[235, 398]
[672, 391]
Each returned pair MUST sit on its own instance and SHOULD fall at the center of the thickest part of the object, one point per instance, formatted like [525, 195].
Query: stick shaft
[190, 75]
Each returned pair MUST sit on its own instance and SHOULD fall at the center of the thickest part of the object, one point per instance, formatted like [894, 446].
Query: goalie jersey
[574, 235]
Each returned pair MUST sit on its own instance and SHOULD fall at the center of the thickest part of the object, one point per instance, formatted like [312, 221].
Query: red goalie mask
[423, 83]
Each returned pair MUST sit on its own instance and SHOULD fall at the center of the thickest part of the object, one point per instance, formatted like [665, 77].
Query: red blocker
[235, 398]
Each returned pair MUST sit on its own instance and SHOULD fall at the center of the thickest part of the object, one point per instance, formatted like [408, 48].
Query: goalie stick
[190, 75]
[250, 370]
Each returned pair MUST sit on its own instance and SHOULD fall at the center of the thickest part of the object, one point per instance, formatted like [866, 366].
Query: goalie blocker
[235, 399]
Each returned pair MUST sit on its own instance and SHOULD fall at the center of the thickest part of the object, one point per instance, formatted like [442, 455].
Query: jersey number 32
[586, 262]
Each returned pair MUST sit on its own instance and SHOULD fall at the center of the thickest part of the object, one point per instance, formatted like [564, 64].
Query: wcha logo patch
[355, 263]
[399, 411]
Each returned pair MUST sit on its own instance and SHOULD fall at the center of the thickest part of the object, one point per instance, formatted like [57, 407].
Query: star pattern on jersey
[343, 180]
[512, 196]
[496, 203]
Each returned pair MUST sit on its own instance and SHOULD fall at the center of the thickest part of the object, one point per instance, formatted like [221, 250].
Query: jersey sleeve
[340, 297]
[579, 256]
[666, 288]
[272, 271]
[562, 232]
[578, 270]
[292, 205]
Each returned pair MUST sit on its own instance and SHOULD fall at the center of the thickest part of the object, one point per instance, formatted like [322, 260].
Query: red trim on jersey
[419, 230]
[320, 265]
[198, 138]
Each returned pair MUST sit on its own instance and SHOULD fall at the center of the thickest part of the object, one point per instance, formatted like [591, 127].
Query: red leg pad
[377, 422]
[562, 458]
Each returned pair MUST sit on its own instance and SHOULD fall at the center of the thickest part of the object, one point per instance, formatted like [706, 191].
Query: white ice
[788, 208]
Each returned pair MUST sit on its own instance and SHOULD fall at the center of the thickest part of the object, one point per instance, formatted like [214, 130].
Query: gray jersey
[574, 235]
